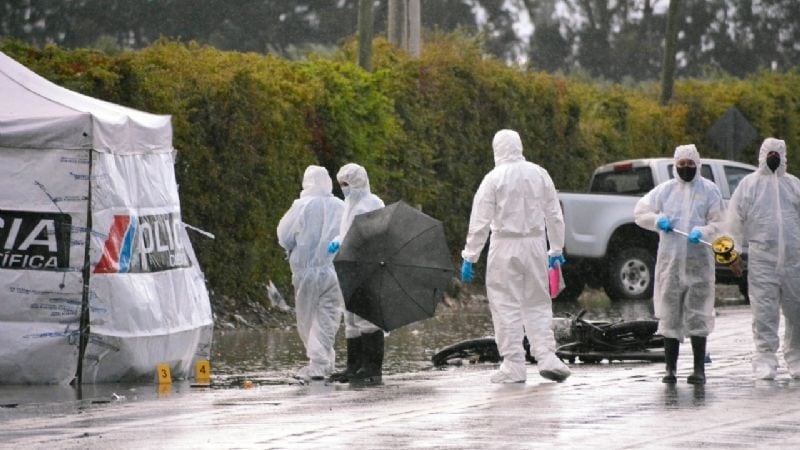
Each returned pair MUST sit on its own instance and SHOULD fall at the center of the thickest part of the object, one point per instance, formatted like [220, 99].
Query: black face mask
[773, 161]
[686, 173]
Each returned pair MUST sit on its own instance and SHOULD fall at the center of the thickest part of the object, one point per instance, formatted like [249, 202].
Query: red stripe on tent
[109, 263]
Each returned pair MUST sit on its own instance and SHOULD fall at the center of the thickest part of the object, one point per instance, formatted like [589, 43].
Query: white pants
[355, 325]
[770, 293]
[519, 298]
[318, 305]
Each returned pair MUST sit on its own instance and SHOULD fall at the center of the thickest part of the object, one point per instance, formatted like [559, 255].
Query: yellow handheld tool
[722, 247]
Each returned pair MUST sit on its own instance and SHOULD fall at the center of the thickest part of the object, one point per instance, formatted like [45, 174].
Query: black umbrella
[394, 266]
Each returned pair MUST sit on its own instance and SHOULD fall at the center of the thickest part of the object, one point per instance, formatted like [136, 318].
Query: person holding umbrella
[517, 202]
[364, 339]
[304, 232]
[683, 295]
[764, 214]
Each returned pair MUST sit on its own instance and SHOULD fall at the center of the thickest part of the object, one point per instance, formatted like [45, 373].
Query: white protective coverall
[683, 295]
[305, 231]
[359, 200]
[764, 215]
[515, 201]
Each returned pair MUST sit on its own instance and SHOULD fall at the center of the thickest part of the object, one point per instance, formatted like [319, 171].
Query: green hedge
[247, 125]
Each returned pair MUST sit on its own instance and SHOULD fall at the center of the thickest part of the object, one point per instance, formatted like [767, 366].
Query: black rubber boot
[698, 376]
[371, 370]
[671, 353]
[354, 351]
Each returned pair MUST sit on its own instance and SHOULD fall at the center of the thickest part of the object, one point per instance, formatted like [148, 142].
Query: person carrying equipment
[683, 295]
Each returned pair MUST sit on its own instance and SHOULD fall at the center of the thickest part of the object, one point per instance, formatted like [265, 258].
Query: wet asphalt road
[619, 405]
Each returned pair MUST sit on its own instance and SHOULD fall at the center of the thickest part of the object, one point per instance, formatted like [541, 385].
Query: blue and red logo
[143, 244]
[118, 248]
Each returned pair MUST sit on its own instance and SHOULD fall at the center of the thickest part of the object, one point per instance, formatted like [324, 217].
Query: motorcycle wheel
[636, 334]
[472, 350]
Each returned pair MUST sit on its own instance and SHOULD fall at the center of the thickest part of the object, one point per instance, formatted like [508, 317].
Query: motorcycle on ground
[586, 341]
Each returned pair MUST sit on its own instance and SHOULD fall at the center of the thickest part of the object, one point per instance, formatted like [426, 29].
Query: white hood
[688, 151]
[316, 182]
[507, 147]
[772, 145]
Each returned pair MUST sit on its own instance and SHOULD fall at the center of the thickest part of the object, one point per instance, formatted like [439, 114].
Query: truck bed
[590, 219]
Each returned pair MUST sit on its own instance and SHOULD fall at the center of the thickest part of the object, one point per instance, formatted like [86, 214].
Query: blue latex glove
[333, 247]
[553, 260]
[466, 272]
[663, 223]
[695, 235]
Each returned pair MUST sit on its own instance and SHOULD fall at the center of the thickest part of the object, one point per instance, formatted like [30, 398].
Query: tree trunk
[365, 34]
[670, 48]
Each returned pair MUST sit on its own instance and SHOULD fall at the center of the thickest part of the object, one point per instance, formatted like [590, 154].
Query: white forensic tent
[97, 274]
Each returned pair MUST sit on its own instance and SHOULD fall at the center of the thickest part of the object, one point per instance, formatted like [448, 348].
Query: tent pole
[87, 266]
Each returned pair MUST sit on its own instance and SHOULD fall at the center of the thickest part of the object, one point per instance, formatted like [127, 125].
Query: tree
[611, 40]
[548, 48]
[617, 40]
[739, 37]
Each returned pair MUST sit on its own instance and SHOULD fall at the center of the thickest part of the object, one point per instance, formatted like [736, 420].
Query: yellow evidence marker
[202, 371]
[163, 374]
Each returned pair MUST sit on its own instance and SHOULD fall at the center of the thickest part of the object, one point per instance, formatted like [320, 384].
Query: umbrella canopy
[394, 266]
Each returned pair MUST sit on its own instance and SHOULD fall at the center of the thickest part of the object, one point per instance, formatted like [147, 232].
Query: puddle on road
[276, 354]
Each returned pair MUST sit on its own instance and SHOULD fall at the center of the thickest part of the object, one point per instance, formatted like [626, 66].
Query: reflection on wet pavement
[272, 356]
[607, 405]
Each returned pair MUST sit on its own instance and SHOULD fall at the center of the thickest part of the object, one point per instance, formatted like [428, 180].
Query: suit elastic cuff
[469, 258]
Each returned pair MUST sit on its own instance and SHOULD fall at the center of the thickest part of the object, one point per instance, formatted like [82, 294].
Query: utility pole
[405, 25]
[414, 27]
[365, 30]
[670, 48]
[397, 22]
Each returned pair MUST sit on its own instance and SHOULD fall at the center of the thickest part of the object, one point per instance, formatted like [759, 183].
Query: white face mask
[346, 191]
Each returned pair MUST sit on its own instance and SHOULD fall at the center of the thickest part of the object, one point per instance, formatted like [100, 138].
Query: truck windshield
[632, 181]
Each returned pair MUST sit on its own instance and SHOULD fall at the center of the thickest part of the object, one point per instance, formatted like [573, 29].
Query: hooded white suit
[304, 231]
[683, 294]
[516, 201]
[359, 200]
[764, 215]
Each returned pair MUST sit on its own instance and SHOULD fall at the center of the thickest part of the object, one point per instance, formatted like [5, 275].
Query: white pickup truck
[605, 248]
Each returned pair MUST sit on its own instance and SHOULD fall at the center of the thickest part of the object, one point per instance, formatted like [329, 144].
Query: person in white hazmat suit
[683, 294]
[364, 339]
[304, 232]
[764, 215]
[516, 201]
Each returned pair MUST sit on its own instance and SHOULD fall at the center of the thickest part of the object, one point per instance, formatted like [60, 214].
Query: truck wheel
[631, 274]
